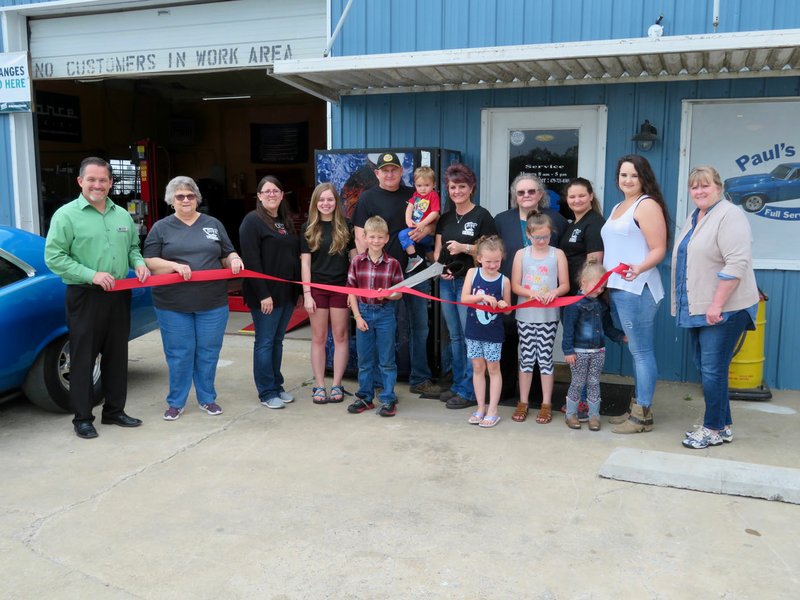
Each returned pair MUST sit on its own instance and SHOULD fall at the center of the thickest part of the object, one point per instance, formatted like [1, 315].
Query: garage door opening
[226, 130]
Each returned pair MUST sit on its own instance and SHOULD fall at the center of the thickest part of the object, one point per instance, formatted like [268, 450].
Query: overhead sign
[15, 82]
[240, 34]
[755, 146]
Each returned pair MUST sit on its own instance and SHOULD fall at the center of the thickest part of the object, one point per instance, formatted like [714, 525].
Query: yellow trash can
[746, 373]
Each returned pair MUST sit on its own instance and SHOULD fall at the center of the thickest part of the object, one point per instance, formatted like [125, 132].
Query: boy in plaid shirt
[376, 319]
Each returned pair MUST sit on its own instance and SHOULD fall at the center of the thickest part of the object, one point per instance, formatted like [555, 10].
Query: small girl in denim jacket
[585, 324]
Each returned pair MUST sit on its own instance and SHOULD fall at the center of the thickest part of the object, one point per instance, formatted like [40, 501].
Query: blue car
[752, 192]
[34, 355]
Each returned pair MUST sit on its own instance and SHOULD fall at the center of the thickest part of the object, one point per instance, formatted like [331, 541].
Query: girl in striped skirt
[540, 272]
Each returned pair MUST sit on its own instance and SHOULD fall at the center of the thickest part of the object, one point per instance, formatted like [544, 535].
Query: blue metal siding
[453, 120]
[21, 2]
[374, 27]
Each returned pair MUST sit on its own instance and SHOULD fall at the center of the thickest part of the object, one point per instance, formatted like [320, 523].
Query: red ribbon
[219, 274]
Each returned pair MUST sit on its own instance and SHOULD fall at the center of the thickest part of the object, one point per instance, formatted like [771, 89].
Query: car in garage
[752, 192]
[34, 353]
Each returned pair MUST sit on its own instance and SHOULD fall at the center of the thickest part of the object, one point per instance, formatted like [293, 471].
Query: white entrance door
[556, 143]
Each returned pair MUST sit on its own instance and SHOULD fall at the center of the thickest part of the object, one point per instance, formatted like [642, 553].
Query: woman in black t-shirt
[581, 240]
[456, 234]
[326, 243]
[270, 245]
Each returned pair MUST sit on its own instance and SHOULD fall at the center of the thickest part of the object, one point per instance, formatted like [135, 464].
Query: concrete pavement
[312, 502]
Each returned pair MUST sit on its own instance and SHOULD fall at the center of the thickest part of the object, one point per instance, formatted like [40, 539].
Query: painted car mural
[34, 354]
[752, 192]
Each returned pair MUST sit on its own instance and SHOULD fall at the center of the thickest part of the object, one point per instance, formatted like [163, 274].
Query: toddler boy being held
[423, 209]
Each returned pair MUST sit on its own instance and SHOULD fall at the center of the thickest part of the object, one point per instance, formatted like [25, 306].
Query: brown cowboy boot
[624, 416]
[640, 420]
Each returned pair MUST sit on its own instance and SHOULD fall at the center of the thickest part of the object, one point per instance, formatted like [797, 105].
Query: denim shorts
[490, 351]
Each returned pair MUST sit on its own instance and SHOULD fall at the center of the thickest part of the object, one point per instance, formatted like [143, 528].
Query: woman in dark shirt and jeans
[456, 234]
[270, 246]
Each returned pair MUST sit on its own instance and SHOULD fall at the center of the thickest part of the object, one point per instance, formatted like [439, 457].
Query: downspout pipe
[335, 33]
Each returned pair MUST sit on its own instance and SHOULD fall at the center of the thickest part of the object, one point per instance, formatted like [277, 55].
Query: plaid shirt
[364, 273]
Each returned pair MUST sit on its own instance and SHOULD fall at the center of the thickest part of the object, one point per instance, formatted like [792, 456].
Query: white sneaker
[286, 397]
[726, 434]
[702, 438]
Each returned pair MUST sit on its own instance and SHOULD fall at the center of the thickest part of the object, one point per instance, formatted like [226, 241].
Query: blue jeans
[417, 316]
[423, 246]
[268, 350]
[455, 317]
[378, 340]
[636, 315]
[192, 343]
[713, 352]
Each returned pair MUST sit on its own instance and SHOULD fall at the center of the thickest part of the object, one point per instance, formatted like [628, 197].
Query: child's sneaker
[702, 438]
[172, 413]
[388, 409]
[413, 263]
[360, 405]
[212, 408]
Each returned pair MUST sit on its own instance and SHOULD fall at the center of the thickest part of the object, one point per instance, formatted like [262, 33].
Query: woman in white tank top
[636, 233]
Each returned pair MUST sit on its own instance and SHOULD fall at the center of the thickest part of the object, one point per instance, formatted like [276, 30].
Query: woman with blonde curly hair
[326, 242]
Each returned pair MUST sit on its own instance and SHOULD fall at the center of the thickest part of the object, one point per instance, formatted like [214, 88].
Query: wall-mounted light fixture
[646, 136]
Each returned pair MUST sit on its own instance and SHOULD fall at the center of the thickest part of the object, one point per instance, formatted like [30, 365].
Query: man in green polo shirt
[91, 243]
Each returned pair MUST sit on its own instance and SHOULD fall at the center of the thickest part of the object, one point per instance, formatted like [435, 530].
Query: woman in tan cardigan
[714, 295]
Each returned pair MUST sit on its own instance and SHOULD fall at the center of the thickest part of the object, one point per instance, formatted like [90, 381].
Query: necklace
[459, 217]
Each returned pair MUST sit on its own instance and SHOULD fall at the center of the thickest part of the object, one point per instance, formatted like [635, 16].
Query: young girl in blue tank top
[484, 334]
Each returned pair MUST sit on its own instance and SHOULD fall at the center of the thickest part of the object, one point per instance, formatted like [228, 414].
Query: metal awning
[672, 58]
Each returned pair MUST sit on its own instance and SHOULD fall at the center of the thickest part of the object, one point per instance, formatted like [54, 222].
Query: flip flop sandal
[521, 413]
[319, 396]
[337, 394]
[489, 421]
[545, 414]
[475, 418]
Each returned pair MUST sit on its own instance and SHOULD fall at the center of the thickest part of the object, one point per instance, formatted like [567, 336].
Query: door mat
[614, 397]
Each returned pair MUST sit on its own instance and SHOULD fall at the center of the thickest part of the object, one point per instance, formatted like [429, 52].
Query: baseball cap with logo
[388, 158]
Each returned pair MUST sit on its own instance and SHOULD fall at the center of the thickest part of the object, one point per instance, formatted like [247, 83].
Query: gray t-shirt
[538, 275]
[202, 246]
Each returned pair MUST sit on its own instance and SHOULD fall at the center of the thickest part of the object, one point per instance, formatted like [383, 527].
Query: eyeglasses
[540, 238]
[522, 193]
[184, 197]
[270, 192]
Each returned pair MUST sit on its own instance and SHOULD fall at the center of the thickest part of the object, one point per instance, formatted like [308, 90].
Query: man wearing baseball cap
[389, 200]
